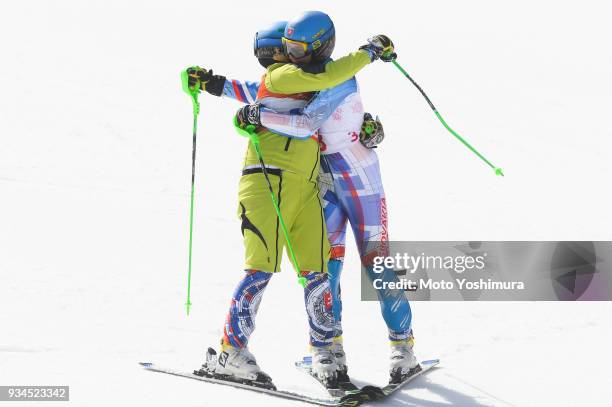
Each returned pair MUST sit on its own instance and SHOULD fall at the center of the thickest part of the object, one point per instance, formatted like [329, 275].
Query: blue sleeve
[245, 92]
[302, 123]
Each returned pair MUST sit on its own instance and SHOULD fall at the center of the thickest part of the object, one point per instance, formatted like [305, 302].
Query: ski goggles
[296, 49]
[266, 47]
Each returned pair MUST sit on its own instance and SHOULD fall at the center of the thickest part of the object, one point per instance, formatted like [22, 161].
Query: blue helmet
[268, 42]
[311, 33]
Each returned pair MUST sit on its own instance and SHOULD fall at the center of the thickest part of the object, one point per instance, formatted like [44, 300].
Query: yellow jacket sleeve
[288, 79]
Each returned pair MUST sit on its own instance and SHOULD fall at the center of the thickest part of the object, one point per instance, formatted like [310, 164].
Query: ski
[383, 392]
[346, 401]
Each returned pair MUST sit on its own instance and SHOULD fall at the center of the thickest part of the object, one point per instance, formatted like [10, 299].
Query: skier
[352, 190]
[295, 167]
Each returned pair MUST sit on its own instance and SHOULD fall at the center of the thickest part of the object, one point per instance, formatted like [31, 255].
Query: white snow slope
[95, 166]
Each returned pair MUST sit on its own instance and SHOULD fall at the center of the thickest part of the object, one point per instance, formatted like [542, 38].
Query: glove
[380, 46]
[248, 114]
[200, 78]
[372, 133]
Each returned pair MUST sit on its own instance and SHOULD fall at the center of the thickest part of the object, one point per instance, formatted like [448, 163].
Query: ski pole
[249, 132]
[498, 171]
[193, 92]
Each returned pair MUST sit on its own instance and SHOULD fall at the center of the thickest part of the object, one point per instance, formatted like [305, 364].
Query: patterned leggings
[240, 321]
[352, 192]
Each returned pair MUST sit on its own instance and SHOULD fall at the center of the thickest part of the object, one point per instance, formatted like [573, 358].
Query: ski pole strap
[250, 133]
[498, 171]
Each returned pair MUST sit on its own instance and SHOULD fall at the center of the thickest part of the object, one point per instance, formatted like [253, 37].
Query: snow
[95, 164]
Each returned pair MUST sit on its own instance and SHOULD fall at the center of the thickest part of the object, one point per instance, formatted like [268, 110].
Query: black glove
[205, 79]
[372, 133]
[380, 46]
[248, 114]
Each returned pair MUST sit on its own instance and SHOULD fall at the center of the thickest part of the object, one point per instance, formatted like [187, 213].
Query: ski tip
[431, 362]
[306, 362]
[145, 364]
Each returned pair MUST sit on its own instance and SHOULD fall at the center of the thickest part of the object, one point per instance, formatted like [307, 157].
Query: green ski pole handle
[249, 132]
[193, 93]
[498, 171]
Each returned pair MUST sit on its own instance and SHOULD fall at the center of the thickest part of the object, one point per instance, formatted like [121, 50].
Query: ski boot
[344, 381]
[324, 367]
[403, 363]
[236, 365]
[340, 357]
